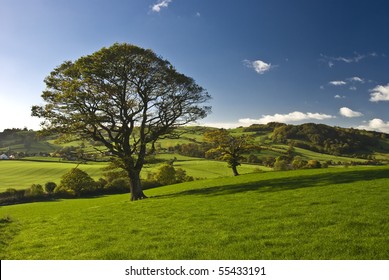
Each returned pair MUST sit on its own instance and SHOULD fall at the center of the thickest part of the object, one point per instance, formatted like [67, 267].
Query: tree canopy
[229, 148]
[125, 97]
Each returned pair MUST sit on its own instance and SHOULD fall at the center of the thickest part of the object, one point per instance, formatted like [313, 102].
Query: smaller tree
[229, 148]
[77, 181]
[166, 175]
[50, 186]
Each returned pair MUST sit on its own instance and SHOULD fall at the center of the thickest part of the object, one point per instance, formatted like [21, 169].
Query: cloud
[286, 118]
[161, 4]
[330, 60]
[356, 79]
[258, 65]
[348, 113]
[337, 83]
[377, 125]
[379, 93]
[339, 96]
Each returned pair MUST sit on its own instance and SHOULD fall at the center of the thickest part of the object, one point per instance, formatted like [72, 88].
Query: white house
[3, 156]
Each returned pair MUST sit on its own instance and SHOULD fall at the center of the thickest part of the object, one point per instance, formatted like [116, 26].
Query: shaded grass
[307, 214]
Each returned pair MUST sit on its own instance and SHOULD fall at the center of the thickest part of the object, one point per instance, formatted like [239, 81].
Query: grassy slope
[22, 174]
[305, 214]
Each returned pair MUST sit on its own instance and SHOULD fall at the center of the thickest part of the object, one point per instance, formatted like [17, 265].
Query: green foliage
[166, 175]
[229, 148]
[124, 97]
[118, 185]
[313, 164]
[50, 186]
[280, 165]
[298, 162]
[77, 181]
[34, 190]
[332, 140]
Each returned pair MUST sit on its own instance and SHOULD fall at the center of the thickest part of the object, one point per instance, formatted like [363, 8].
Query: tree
[49, 187]
[124, 97]
[229, 148]
[166, 175]
[77, 181]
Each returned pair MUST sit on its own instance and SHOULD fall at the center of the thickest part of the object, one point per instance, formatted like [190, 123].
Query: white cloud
[286, 118]
[161, 4]
[337, 83]
[377, 125]
[356, 79]
[347, 112]
[258, 65]
[379, 93]
[353, 88]
[339, 96]
[225, 125]
[330, 60]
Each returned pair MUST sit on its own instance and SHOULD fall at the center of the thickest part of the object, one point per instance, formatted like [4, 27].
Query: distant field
[306, 214]
[22, 174]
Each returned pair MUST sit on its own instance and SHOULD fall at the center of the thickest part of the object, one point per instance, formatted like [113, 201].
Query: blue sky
[293, 61]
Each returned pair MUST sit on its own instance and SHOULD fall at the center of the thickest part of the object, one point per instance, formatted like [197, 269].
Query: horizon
[261, 62]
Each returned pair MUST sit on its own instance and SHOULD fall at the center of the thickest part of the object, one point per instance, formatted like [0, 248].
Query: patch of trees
[191, 149]
[16, 136]
[327, 139]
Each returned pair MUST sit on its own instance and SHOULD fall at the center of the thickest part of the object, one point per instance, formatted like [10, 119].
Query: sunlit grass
[307, 214]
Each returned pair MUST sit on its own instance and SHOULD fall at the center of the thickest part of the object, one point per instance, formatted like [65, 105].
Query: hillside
[324, 214]
[325, 139]
[311, 140]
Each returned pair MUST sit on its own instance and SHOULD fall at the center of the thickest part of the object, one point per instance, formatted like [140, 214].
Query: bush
[281, 165]
[34, 190]
[298, 162]
[50, 186]
[77, 181]
[313, 164]
[118, 185]
[166, 175]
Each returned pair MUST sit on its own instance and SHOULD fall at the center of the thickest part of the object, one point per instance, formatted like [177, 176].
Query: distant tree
[166, 175]
[229, 148]
[124, 97]
[77, 181]
[280, 165]
[50, 186]
[298, 162]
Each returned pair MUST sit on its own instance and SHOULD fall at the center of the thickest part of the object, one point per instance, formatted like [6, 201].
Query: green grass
[307, 214]
[40, 170]
[22, 174]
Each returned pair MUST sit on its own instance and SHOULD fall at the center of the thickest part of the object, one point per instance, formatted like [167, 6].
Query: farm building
[4, 156]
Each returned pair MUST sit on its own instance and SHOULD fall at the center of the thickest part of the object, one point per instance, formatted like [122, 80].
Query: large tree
[124, 97]
[229, 148]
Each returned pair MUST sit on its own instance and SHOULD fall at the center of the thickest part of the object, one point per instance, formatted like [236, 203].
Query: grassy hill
[21, 174]
[334, 213]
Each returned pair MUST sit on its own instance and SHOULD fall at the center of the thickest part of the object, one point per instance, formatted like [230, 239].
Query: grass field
[307, 214]
[22, 174]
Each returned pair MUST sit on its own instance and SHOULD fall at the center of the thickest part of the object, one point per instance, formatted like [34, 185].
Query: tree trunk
[235, 170]
[136, 186]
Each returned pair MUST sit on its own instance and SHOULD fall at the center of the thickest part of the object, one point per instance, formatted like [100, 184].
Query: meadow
[334, 213]
[21, 174]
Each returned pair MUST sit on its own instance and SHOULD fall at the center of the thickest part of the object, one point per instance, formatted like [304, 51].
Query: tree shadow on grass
[288, 183]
